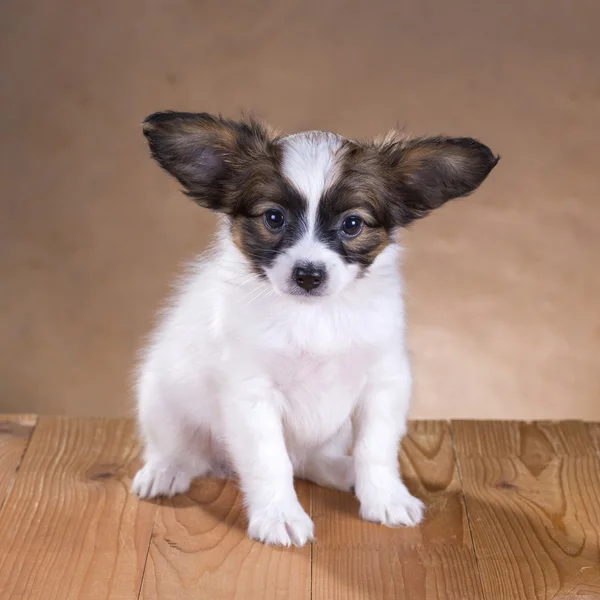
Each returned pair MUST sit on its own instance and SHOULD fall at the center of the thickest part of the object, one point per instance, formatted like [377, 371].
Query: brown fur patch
[234, 167]
[395, 180]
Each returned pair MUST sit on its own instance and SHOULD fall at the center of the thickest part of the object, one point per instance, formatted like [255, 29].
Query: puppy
[283, 351]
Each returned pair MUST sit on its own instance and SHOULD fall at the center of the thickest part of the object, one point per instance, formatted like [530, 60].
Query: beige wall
[503, 288]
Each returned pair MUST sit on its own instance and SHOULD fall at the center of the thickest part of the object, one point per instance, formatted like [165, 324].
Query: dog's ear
[203, 151]
[430, 171]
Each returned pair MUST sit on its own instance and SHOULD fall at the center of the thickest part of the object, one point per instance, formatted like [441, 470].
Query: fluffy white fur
[242, 377]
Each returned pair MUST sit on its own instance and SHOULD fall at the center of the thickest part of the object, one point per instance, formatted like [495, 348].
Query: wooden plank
[200, 549]
[15, 431]
[69, 527]
[356, 560]
[533, 499]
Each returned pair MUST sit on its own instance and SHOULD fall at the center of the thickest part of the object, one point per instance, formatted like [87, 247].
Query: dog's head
[312, 211]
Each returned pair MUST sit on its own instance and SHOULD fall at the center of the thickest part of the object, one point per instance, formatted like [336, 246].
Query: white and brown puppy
[283, 351]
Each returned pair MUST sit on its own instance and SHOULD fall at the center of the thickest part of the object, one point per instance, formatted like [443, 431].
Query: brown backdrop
[503, 288]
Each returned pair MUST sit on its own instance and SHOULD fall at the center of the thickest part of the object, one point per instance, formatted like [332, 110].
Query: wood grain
[15, 431]
[69, 527]
[532, 493]
[355, 560]
[200, 550]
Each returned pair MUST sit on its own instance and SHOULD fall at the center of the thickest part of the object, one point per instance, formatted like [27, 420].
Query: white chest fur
[318, 393]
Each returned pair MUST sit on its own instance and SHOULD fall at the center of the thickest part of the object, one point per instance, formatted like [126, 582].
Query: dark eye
[274, 219]
[352, 225]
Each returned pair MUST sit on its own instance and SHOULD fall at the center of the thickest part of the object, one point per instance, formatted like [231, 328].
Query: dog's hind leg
[175, 451]
[330, 465]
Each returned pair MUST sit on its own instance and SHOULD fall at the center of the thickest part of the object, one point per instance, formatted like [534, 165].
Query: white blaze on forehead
[309, 163]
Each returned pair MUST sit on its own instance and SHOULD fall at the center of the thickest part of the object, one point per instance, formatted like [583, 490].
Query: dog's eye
[274, 219]
[352, 226]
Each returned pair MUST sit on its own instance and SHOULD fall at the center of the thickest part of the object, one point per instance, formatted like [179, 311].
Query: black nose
[308, 277]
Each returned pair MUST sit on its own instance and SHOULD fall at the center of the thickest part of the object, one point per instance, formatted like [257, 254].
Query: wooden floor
[514, 512]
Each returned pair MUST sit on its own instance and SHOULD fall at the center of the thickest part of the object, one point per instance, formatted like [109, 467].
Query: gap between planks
[15, 433]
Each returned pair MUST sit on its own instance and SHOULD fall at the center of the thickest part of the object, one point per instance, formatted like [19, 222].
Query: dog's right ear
[201, 151]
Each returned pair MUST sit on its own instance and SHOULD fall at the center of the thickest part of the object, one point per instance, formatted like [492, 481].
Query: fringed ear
[431, 171]
[201, 150]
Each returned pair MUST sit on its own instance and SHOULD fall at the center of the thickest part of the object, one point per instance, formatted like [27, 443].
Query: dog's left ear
[430, 171]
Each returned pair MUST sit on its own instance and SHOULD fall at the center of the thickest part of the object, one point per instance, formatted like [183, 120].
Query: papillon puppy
[283, 351]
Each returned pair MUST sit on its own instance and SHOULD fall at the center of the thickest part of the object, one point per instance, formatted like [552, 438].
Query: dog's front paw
[159, 480]
[281, 525]
[394, 506]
